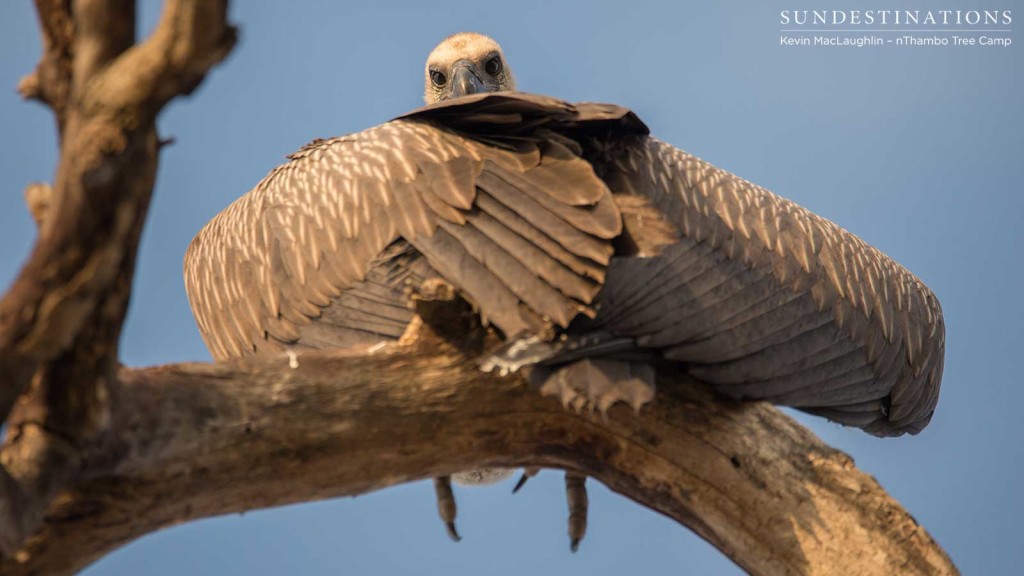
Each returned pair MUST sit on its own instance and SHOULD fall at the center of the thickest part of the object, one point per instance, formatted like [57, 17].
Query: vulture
[595, 250]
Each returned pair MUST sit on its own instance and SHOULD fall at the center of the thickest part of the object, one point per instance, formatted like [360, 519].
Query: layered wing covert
[501, 207]
[766, 300]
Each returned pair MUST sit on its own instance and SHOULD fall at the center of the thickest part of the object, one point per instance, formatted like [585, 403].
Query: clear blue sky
[917, 150]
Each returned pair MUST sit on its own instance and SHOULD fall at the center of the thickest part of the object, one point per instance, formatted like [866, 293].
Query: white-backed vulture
[594, 249]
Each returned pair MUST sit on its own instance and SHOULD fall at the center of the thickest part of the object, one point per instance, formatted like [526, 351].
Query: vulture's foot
[576, 494]
[596, 384]
[446, 505]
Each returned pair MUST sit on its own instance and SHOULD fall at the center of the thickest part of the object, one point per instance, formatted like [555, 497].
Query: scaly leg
[576, 494]
[446, 505]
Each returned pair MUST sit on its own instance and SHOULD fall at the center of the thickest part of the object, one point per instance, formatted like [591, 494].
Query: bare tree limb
[104, 29]
[61, 319]
[105, 177]
[191, 441]
[38, 196]
[191, 37]
[50, 82]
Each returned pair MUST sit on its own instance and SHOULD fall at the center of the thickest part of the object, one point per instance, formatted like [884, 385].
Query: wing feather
[505, 210]
[829, 319]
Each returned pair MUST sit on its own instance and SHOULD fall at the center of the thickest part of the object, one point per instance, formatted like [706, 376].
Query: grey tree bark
[97, 455]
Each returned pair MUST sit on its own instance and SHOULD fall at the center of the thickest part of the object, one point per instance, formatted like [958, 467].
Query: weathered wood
[50, 82]
[191, 441]
[105, 175]
[61, 319]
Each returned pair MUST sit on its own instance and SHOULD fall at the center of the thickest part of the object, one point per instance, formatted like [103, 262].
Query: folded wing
[323, 251]
[765, 300]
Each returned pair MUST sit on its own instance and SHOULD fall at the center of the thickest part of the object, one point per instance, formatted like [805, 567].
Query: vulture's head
[466, 63]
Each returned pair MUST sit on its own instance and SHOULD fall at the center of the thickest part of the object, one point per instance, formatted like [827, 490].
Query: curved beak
[465, 80]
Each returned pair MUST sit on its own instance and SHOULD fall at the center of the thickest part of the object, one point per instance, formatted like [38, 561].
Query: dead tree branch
[60, 320]
[50, 83]
[191, 441]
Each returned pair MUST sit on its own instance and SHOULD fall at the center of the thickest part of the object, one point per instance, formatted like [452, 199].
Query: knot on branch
[29, 87]
[38, 196]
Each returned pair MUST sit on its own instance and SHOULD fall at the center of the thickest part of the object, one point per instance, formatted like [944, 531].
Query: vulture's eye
[437, 78]
[493, 66]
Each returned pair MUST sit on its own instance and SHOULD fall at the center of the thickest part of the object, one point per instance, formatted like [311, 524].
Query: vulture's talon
[527, 474]
[446, 507]
[520, 483]
[452, 532]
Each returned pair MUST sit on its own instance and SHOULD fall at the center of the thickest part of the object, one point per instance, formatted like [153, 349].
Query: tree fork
[61, 318]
